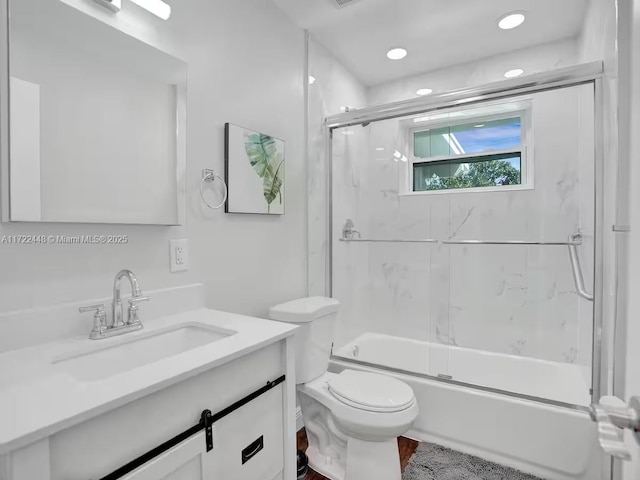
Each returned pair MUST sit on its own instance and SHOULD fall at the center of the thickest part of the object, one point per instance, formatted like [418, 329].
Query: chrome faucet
[136, 296]
[102, 328]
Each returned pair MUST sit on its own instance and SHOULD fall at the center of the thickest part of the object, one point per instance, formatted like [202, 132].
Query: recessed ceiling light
[312, 79]
[514, 73]
[424, 91]
[511, 20]
[397, 53]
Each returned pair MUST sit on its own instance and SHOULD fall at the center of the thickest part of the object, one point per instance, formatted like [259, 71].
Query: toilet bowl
[352, 418]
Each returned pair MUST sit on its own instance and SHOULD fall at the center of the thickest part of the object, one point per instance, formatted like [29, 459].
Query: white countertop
[38, 399]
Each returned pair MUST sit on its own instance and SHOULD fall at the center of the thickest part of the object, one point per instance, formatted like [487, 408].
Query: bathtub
[552, 441]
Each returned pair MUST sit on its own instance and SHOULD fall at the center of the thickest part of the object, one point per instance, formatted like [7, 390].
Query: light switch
[179, 255]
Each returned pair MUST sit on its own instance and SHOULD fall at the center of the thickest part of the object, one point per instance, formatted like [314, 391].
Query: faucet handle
[133, 301]
[99, 309]
[133, 317]
[99, 319]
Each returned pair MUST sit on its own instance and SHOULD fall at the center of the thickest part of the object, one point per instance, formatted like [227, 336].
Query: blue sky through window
[469, 138]
[497, 135]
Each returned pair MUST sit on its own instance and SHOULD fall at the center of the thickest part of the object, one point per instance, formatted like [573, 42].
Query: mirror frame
[5, 160]
[4, 111]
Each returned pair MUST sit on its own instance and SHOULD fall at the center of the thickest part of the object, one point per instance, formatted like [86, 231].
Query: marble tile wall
[508, 299]
[334, 87]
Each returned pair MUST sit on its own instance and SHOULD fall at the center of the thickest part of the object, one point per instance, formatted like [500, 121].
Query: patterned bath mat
[433, 462]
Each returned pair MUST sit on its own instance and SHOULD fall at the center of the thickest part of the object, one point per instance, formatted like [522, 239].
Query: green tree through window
[478, 174]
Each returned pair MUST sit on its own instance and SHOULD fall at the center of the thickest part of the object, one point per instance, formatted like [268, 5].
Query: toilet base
[365, 461]
[373, 460]
[323, 465]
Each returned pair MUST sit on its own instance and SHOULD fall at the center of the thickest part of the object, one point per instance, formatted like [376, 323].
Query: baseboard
[299, 420]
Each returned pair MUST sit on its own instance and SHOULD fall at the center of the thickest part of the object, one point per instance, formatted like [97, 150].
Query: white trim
[299, 419]
[289, 406]
[505, 188]
[519, 150]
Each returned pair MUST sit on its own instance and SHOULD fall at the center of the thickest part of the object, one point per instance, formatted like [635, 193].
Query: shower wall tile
[399, 283]
[334, 87]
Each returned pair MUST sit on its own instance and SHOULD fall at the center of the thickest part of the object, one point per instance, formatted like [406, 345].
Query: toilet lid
[371, 391]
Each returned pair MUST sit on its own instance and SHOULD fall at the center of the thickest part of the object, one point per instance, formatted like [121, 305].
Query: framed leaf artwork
[254, 172]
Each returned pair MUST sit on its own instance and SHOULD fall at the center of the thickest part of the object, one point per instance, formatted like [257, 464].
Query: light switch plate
[179, 255]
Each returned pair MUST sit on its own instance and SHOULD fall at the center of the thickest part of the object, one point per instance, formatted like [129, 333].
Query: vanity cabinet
[254, 442]
[187, 461]
[247, 446]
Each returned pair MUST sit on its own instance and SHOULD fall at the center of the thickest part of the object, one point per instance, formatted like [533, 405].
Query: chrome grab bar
[508, 242]
[349, 232]
[379, 240]
[575, 267]
[459, 242]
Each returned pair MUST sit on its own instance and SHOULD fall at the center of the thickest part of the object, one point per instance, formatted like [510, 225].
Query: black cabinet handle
[251, 450]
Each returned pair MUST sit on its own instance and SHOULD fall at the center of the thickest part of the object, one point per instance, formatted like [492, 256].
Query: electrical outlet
[179, 255]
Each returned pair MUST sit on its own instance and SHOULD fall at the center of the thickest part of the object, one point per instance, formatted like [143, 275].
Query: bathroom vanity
[75, 408]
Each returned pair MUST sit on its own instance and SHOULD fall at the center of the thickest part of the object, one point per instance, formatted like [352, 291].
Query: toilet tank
[316, 318]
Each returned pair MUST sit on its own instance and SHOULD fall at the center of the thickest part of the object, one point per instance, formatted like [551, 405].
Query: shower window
[477, 153]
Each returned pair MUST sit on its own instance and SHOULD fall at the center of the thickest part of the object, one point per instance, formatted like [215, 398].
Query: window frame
[524, 150]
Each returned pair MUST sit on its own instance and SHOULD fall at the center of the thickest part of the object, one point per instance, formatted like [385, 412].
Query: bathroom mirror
[96, 121]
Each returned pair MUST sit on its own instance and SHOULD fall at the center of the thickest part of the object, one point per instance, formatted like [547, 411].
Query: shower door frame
[584, 74]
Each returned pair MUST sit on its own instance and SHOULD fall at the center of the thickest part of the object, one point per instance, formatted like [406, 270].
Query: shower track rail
[349, 233]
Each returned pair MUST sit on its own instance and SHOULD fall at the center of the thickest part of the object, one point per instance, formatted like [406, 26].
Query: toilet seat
[371, 392]
[359, 419]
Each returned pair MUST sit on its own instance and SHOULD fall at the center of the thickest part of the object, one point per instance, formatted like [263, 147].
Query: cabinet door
[187, 461]
[248, 444]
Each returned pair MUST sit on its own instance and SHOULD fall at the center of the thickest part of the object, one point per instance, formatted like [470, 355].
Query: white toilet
[352, 418]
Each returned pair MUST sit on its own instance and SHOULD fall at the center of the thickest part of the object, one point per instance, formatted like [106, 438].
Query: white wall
[245, 66]
[486, 70]
[598, 37]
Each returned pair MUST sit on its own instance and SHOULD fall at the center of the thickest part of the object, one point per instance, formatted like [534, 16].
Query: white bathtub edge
[539, 424]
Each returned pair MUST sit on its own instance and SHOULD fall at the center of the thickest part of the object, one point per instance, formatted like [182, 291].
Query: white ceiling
[437, 33]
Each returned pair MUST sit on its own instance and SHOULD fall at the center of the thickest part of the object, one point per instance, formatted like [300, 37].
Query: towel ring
[209, 175]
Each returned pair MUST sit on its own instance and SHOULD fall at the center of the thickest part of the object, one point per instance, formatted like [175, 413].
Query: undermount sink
[139, 350]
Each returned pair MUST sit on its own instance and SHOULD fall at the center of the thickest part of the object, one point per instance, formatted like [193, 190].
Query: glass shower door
[382, 273]
[460, 268]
